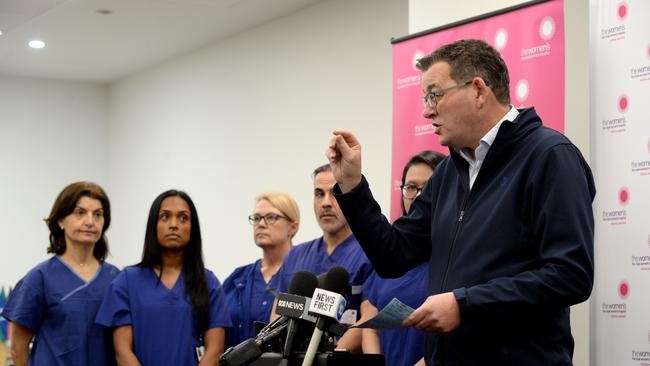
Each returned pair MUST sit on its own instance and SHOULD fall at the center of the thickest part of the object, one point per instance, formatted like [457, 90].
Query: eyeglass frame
[418, 190]
[269, 218]
[430, 99]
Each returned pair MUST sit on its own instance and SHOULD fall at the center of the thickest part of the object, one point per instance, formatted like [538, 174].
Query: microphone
[294, 305]
[250, 349]
[291, 306]
[328, 303]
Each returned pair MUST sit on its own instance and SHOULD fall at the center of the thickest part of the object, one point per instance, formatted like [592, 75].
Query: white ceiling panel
[82, 44]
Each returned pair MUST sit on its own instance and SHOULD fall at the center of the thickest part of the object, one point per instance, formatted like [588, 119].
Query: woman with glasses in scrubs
[401, 347]
[56, 302]
[275, 220]
[168, 309]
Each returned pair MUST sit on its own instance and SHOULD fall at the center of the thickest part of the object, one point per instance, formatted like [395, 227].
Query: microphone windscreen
[337, 280]
[303, 283]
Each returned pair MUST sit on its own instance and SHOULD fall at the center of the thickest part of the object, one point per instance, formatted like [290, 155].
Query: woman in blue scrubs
[168, 309]
[56, 302]
[275, 221]
[401, 347]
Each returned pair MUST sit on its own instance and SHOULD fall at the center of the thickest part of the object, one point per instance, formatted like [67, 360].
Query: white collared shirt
[484, 146]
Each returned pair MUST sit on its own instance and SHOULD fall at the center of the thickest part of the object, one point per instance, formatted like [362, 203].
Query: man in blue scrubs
[337, 247]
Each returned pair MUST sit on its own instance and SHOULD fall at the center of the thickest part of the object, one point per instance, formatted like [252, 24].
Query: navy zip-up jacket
[516, 250]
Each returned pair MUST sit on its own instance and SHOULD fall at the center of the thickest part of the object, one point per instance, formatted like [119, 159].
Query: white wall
[427, 14]
[253, 114]
[51, 134]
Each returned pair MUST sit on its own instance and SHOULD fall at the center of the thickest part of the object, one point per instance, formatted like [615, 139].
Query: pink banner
[531, 41]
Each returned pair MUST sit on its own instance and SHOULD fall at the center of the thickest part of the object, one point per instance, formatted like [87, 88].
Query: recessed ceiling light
[0, 32]
[104, 11]
[36, 43]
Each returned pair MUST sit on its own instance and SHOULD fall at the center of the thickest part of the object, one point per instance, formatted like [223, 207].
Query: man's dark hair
[469, 58]
[320, 169]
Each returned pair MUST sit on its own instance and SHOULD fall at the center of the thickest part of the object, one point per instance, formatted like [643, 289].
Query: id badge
[200, 352]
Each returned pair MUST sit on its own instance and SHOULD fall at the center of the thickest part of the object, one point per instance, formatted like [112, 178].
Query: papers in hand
[390, 317]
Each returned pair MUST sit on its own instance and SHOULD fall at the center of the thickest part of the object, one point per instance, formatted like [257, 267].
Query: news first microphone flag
[327, 303]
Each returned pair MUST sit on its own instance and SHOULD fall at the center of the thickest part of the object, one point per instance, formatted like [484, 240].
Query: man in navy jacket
[505, 222]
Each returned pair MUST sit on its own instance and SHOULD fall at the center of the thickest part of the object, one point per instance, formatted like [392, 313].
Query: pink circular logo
[623, 289]
[417, 55]
[522, 90]
[500, 39]
[623, 195]
[547, 28]
[623, 103]
[621, 11]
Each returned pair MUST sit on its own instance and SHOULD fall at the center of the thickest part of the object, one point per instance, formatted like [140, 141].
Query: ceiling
[84, 44]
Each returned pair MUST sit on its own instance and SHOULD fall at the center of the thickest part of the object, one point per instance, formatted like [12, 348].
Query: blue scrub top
[405, 346]
[164, 330]
[59, 306]
[248, 301]
[312, 256]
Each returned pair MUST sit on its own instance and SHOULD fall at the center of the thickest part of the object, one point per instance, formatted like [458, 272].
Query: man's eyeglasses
[269, 218]
[431, 98]
[410, 191]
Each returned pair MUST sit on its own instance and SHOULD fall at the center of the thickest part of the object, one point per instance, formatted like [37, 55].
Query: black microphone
[302, 285]
[327, 303]
[251, 349]
[290, 306]
[347, 292]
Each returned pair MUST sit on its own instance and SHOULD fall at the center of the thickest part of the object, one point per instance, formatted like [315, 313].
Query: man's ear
[481, 91]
